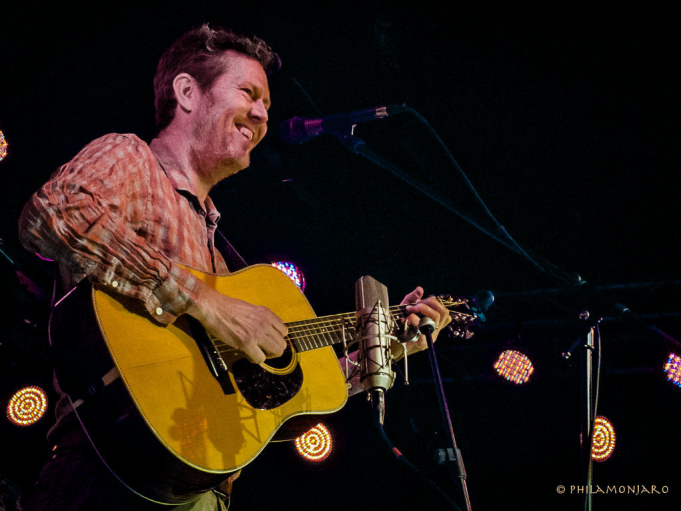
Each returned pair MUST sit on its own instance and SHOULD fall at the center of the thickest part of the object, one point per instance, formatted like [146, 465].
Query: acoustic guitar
[170, 410]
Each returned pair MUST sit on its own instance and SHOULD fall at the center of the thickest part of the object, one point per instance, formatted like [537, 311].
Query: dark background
[565, 120]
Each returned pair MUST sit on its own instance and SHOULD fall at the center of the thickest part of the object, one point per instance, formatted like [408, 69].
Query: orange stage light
[27, 406]
[514, 366]
[604, 439]
[316, 444]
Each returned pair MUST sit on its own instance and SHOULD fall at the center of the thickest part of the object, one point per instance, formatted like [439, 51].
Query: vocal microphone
[374, 330]
[301, 129]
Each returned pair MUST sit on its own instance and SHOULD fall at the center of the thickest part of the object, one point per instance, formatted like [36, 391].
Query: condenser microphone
[374, 329]
[301, 129]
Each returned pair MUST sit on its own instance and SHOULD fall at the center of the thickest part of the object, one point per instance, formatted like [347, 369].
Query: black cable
[515, 246]
[413, 467]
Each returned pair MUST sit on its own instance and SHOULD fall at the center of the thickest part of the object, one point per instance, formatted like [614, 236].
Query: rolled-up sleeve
[85, 216]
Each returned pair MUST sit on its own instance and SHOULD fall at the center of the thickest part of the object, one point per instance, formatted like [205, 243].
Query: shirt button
[114, 283]
[159, 311]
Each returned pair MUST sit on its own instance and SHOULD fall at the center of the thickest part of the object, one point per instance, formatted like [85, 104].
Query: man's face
[231, 118]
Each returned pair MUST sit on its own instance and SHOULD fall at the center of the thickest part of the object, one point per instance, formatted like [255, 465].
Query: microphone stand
[589, 297]
[588, 406]
[357, 145]
[427, 327]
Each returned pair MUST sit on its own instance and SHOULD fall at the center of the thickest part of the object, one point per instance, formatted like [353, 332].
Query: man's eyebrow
[261, 92]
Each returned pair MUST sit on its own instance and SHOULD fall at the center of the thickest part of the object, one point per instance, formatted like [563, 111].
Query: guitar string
[305, 334]
[401, 309]
[308, 331]
[332, 325]
[314, 327]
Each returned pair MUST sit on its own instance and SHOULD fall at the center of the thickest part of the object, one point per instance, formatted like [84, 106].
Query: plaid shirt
[124, 214]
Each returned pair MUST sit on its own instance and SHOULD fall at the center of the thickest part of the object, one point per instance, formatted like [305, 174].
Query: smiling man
[129, 215]
[216, 128]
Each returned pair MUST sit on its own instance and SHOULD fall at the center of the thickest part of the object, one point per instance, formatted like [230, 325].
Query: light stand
[587, 415]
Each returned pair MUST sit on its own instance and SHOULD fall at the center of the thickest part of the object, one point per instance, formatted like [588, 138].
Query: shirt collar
[180, 181]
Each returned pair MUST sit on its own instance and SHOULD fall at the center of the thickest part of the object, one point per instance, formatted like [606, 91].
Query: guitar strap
[234, 263]
[233, 259]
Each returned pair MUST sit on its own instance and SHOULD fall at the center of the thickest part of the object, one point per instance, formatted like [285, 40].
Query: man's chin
[234, 167]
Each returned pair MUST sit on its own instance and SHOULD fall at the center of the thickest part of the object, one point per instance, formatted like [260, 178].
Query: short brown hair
[199, 53]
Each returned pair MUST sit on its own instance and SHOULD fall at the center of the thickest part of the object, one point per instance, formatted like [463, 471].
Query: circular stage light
[3, 146]
[293, 272]
[315, 445]
[673, 369]
[514, 366]
[604, 439]
[27, 406]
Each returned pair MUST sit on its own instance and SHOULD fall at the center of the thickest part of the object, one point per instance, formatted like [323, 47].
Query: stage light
[27, 406]
[673, 369]
[3, 146]
[316, 444]
[604, 439]
[293, 272]
[514, 366]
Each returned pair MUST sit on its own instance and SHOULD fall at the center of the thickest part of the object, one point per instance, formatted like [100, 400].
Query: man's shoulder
[119, 140]
[115, 147]
[111, 153]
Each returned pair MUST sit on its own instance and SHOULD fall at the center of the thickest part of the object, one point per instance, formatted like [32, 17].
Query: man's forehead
[240, 66]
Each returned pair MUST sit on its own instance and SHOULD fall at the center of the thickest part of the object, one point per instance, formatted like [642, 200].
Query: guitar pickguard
[262, 387]
[265, 390]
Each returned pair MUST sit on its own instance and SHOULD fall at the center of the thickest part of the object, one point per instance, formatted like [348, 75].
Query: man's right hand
[252, 329]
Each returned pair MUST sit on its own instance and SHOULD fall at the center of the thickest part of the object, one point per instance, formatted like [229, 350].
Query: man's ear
[186, 91]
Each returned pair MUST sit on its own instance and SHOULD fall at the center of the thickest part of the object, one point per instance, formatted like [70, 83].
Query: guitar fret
[313, 334]
[324, 331]
[294, 341]
[316, 337]
[306, 341]
[333, 330]
[309, 337]
[336, 333]
[349, 321]
[326, 338]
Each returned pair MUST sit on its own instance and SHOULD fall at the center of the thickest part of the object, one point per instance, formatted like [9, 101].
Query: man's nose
[259, 112]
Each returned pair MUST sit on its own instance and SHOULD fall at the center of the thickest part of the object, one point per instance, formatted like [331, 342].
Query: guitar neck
[325, 331]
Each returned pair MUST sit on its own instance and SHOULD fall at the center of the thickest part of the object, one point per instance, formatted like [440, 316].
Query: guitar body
[166, 422]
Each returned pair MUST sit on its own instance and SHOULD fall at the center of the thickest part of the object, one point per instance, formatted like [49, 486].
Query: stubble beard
[216, 159]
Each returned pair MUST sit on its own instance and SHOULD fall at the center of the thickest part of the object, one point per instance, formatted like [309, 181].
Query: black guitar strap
[233, 259]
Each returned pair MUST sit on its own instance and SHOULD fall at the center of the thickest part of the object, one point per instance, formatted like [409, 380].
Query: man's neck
[178, 145]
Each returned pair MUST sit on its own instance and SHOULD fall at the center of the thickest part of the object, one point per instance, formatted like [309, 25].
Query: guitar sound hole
[281, 362]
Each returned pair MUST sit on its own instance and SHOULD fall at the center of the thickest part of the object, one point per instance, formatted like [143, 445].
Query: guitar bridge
[216, 364]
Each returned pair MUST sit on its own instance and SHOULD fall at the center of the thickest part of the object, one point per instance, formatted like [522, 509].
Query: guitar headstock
[462, 315]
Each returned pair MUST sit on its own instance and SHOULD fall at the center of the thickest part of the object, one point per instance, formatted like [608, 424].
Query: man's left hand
[418, 307]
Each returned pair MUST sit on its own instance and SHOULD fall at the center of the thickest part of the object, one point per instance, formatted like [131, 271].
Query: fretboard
[324, 331]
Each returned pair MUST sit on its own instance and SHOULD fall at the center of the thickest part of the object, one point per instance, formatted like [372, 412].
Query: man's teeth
[246, 132]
